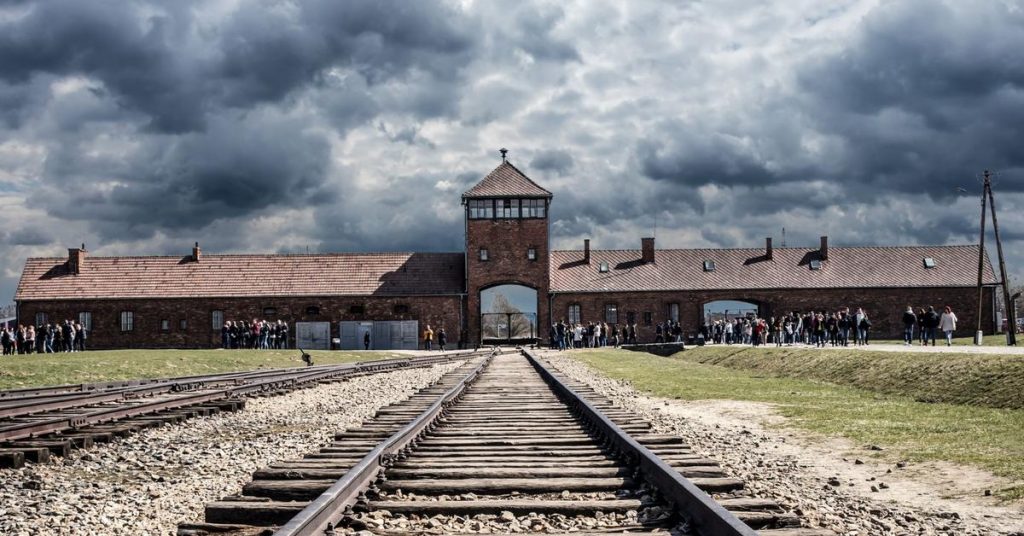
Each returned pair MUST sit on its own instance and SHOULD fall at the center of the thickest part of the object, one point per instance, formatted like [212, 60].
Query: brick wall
[884, 306]
[438, 311]
[507, 242]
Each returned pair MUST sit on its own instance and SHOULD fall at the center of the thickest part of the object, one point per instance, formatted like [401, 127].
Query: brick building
[506, 285]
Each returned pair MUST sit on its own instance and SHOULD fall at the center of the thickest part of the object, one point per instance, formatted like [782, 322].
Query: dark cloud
[554, 160]
[925, 110]
[229, 170]
[28, 236]
[146, 53]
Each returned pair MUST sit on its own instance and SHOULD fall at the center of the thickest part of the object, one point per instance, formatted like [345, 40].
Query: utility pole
[979, 334]
[1011, 326]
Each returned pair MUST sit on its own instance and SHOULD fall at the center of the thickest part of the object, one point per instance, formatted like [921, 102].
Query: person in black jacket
[909, 319]
[931, 321]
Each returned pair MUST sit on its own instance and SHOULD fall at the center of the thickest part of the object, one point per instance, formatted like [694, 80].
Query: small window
[929, 262]
[673, 312]
[815, 264]
[534, 208]
[648, 318]
[483, 254]
[401, 309]
[709, 266]
[611, 313]
[574, 313]
[313, 310]
[216, 319]
[631, 317]
[269, 311]
[507, 208]
[165, 325]
[182, 324]
[481, 209]
[602, 267]
[85, 319]
[41, 319]
[127, 321]
[531, 254]
[357, 309]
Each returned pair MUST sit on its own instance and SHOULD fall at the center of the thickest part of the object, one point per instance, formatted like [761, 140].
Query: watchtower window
[507, 208]
[480, 209]
[534, 208]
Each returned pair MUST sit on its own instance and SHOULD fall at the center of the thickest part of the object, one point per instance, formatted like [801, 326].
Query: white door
[313, 335]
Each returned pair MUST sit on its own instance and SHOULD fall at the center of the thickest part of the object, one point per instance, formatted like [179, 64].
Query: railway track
[500, 445]
[38, 422]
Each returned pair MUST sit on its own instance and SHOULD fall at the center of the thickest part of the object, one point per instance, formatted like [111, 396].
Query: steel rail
[704, 515]
[11, 431]
[316, 518]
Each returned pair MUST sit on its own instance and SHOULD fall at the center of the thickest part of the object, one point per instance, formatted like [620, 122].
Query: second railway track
[501, 445]
[38, 422]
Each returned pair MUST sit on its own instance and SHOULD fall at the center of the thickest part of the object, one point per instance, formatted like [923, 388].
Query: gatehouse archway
[729, 309]
[508, 314]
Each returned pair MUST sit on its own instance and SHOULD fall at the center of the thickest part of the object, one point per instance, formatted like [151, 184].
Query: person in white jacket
[947, 323]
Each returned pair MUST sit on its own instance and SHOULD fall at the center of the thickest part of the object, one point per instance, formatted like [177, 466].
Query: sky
[138, 127]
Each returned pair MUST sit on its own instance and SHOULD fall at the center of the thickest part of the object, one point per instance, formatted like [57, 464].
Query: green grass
[985, 437]
[940, 339]
[86, 367]
[990, 380]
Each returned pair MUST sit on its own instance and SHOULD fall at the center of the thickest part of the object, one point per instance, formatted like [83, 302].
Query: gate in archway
[498, 328]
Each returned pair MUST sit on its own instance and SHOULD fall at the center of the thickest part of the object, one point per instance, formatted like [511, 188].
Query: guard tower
[507, 276]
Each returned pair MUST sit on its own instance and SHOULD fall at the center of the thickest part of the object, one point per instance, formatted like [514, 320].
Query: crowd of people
[255, 335]
[925, 322]
[567, 336]
[69, 336]
[818, 329]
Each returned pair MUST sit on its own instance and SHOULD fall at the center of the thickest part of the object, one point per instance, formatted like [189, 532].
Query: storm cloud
[139, 127]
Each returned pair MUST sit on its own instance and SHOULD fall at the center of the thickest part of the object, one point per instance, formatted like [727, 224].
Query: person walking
[442, 339]
[428, 338]
[909, 319]
[947, 323]
[366, 340]
[931, 321]
[865, 328]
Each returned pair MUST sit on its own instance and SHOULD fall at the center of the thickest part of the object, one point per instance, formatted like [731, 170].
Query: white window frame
[127, 321]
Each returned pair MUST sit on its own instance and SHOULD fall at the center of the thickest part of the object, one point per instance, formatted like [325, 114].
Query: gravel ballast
[817, 489]
[149, 482]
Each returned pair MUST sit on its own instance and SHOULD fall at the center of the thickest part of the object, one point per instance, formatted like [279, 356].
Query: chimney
[586, 250]
[196, 253]
[76, 259]
[768, 248]
[647, 249]
[824, 248]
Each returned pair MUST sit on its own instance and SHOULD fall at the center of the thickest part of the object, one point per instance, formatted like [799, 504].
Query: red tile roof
[506, 181]
[340, 274]
[846, 267]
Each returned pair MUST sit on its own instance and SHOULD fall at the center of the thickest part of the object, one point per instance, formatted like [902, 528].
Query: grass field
[987, 340]
[86, 367]
[986, 437]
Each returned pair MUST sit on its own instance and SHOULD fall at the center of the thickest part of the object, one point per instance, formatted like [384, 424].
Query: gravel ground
[149, 482]
[803, 481]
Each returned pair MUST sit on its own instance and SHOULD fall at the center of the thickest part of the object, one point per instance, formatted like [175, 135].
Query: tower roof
[506, 181]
